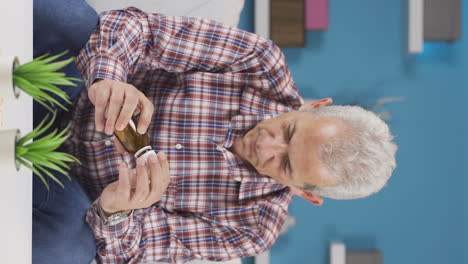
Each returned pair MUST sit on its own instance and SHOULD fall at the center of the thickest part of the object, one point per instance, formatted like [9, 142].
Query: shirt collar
[252, 184]
[241, 124]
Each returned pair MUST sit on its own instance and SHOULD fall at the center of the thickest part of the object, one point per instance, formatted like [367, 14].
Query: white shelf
[337, 253]
[415, 26]
[16, 27]
[262, 18]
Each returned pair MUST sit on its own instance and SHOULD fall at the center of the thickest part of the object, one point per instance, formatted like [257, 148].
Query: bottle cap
[142, 150]
[146, 154]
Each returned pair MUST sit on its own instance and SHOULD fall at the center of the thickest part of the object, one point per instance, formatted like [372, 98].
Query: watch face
[115, 216]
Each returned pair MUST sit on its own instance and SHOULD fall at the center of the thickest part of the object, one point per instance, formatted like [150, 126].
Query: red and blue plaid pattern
[209, 84]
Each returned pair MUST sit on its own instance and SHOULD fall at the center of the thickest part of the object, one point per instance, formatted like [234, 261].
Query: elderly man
[234, 139]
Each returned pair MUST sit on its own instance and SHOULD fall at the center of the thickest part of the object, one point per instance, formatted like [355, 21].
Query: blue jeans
[60, 233]
[59, 26]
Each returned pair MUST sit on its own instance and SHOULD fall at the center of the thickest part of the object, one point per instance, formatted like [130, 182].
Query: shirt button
[178, 146]
[108, 143]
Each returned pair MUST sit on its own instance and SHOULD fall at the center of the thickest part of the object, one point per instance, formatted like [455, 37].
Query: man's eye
[286, 164]
[288, 134]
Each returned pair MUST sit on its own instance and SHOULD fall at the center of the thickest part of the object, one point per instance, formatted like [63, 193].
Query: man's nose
[270, 149]
[276, 147]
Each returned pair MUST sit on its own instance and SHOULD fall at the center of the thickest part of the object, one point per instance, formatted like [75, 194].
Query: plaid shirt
[209, 84]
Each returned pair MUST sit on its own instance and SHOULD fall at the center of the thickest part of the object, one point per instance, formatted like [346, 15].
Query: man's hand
[116, 102]
[137, 188]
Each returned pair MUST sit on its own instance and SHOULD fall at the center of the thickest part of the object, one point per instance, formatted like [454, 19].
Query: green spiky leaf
[41, 155]
[39, 78]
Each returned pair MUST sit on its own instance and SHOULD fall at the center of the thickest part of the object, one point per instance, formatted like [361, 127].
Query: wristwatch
[113, 219]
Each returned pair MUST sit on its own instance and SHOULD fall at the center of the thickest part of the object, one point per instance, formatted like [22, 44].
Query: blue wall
[418, 218]
[465, 122]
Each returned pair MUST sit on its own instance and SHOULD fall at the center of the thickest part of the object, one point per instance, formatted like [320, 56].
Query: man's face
[286, 148]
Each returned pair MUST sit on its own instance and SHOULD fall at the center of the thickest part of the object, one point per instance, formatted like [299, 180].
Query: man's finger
[92, 93]
[120, 148]
[101, 96]
[137, 111]
[147, 109]
[166, 175]
[124, 186]
[115, 104]
[155, 171]
[130, 104]
[142, 184]
[133, 178]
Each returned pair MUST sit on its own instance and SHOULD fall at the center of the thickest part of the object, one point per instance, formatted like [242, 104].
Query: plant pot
[8, 139]
[7, 87]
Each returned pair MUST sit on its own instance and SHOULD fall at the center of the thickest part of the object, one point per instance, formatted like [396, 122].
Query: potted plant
[40, 155]
[8, 88]
[8, 138]
[37, 78]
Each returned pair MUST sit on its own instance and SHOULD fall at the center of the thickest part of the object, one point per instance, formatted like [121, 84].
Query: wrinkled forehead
[306, 149]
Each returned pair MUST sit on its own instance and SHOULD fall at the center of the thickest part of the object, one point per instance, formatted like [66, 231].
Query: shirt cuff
[104, 66]
[106, 231]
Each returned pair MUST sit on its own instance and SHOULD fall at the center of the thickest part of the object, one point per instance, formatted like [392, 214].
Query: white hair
[363, 157]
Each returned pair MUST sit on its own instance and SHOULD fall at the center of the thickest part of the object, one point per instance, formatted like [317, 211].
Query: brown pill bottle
[135, 143]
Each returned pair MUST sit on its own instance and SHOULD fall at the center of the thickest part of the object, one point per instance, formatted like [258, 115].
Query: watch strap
[113, 219]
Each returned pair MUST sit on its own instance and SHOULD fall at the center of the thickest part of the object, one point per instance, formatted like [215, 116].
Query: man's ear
[308, 196]
[316, 103]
